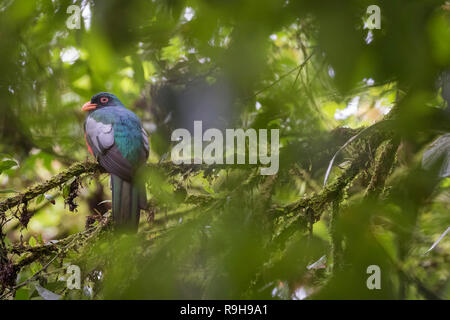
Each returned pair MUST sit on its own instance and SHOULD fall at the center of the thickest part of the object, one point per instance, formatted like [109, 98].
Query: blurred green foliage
[304, 67]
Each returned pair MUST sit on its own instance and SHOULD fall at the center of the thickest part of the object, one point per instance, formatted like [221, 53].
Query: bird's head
[100, 100]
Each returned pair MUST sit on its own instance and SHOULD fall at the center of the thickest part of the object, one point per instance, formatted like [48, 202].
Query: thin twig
[284, 75]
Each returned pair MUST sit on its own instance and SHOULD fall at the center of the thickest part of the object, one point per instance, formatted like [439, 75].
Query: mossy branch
[75, 170]
[382, 168]
[90, 167]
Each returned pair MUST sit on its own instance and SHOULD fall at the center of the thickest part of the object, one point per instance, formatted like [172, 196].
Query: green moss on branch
[75, 170]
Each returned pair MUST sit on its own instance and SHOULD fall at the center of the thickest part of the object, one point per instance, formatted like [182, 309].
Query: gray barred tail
[127, 200]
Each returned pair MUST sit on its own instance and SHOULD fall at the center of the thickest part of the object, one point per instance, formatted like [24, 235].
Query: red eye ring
[104, 99]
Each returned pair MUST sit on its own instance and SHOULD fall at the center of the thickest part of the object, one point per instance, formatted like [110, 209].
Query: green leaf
[32, 242]
[7, 164]
[35, 267]
[66, 190]
[39, 198]
[22, 294]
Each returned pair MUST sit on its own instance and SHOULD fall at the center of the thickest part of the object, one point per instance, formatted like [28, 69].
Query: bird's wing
[100, 138]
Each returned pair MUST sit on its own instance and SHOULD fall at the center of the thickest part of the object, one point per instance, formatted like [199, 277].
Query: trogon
[115, 137]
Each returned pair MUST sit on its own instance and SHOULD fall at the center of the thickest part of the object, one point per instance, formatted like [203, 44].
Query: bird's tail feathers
[127, 200]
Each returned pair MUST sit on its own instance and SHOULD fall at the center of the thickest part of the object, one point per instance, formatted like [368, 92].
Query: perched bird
[115, 137]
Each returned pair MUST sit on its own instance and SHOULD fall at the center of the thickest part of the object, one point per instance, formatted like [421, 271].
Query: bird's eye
[103, 99]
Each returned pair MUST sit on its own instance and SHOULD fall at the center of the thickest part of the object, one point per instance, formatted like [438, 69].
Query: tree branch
[75, 170]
